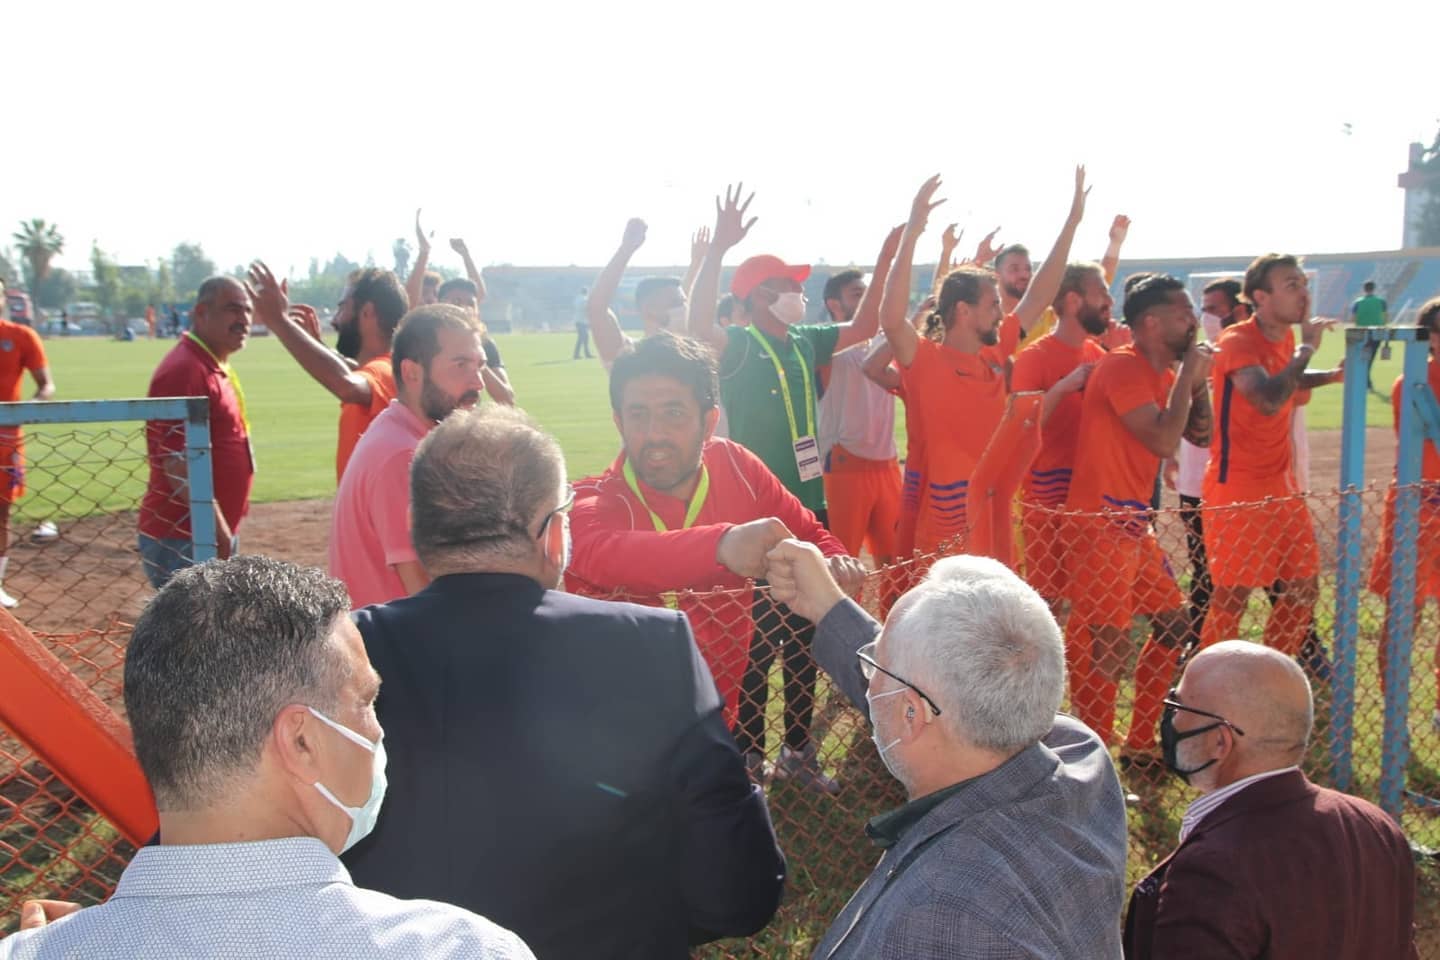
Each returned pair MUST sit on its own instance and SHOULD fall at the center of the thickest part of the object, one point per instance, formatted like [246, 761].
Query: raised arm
[948, 242]
[899, 333]
[415, 286]
[878, 368]
[473, 272]
[866, 324]
[1160, 430]
[324, 365]
[609, 341]
[987, 251]
[1119, 229]
[730, 228]
[1269, 393]
[1046, 283]
[699, 244]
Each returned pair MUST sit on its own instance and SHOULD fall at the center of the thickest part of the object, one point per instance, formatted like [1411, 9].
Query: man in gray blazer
[1012, 843]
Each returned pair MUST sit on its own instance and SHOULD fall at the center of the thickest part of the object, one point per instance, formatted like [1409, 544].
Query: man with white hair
[1269, 865]
[1013, 841]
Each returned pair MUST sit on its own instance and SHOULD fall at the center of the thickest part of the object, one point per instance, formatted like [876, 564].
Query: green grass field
[294, 419]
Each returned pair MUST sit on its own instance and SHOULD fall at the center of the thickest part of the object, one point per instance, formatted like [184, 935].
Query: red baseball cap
[757, 270]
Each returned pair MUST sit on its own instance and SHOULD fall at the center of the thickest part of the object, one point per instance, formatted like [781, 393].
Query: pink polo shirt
[370, 528]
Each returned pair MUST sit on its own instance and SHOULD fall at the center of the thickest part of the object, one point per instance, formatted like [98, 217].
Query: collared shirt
[271, 898]
[189, 370]
[855, 412]
[756, 407]
[887, 829]
[1205, 805]
[370, 526]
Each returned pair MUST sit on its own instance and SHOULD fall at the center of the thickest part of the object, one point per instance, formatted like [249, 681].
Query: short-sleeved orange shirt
[1250, 454]
[1430, 459]
[1114, 471]
[963, 395]
[356, 417]
[20, 350]
[1039, 366]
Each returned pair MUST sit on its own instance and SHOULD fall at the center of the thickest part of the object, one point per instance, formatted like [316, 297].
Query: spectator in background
[423, 287]
[199, 366]
[582, 325]
[1012, 842]
[358, 371]
[438, 359]
[1370, 310]
[20, 351]
[559, 763]
[251, 702]
[466, 294]
[1262, 848]
[662, 302]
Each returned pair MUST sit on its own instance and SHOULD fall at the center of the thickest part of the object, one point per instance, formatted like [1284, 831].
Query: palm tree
[39, 242]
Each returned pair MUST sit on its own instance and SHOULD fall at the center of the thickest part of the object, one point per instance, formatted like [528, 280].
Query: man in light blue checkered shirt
[251, 701]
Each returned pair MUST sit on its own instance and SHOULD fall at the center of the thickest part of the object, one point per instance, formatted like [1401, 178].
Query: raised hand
[421, 237]
[458, 245]
[699, 244]
[307, 319]
[267, 293]
[892, 243]
[987, 250]
[634, 238]
[923, 203]
[1077, 203]
[730, 223]
[1198, 360]
[1119, 227]
[949, 240]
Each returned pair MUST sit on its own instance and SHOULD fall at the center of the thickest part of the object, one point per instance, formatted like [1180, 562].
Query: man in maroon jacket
[1269, 865]
[681, 510]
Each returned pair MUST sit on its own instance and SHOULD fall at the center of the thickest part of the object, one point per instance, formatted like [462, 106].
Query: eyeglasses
[868, 666]
[1174, 704]
[562, 509]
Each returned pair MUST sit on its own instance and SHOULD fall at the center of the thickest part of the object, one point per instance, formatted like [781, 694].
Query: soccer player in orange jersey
[1135, 410]
[1427, 557]
[1251, 541]
[956, 370]
[20, 350]
[1057, 364]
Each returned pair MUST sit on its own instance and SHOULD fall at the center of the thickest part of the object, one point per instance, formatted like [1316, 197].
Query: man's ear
[293, 738]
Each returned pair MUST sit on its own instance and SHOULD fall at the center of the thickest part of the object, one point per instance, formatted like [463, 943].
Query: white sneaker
[45, 533]
[7, 601]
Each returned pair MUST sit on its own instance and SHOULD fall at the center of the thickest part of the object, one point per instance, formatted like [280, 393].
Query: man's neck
[1008, 303]
[369, 351]
[958, 767]
[651, 324]
[1069, 332]
[1158, 355]
[533, 568]
[413, 405]
[1272, 330]
[219, 353]
[768, 323]
[242, 819]
[962, 339]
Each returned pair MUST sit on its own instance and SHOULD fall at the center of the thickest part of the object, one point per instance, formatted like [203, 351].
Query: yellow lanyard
[795, 433]
[230, 373]
[697, 501]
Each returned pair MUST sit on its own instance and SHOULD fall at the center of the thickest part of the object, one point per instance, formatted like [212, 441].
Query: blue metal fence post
[201, 481]
[1358, 349]
[1400, 612]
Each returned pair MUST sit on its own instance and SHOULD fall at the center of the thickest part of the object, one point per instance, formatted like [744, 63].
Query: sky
[287, 131]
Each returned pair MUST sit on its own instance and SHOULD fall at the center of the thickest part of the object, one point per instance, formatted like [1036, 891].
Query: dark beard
[438, 405]
[348, 345]
[990, 337]
[1093, 323]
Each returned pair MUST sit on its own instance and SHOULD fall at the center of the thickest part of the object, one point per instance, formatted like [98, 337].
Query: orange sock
[1092, 697]
[1154, 671]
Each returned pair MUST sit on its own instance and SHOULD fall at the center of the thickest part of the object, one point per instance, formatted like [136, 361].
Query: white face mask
[363, 817]
[892, 764]
[676, 318]
[789, 308]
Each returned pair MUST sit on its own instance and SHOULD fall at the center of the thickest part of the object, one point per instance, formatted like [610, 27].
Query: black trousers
[1200, 586]
[777, 630]
[582, 340]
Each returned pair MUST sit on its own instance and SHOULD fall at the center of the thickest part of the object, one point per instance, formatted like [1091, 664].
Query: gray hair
[476, 484]
[984, 644]
[215, 655]
[210, 288]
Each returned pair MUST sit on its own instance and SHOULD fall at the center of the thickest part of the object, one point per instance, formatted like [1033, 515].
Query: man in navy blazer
[557, 761]
[1269, 865]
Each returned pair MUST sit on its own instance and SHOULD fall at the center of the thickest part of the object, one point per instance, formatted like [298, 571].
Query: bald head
[1259, 690]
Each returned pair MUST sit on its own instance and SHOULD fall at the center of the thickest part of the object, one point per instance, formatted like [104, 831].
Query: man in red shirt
[198, 366]
[358, 370]
[20, 350]
[681, 510]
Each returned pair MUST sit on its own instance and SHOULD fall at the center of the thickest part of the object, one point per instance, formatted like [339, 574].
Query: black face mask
[1170, 743]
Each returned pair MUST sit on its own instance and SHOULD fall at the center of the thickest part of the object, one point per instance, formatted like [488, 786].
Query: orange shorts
[1427, 549]
[1256, 544]
[12, 480]
[1042, 536]
[1116, 573]
[862, 500]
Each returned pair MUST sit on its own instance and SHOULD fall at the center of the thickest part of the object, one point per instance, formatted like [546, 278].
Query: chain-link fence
[813, 750]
